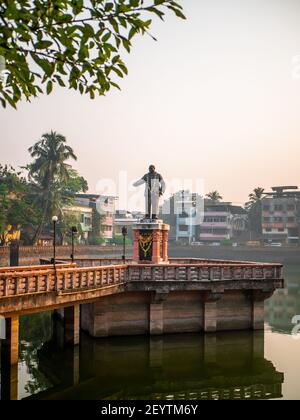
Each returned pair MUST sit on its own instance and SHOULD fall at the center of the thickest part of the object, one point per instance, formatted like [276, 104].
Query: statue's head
[151, 169]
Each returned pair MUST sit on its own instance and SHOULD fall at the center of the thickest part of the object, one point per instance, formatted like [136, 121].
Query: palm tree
[214, 196]
[50, 154]
[254, 208]
[255, 197]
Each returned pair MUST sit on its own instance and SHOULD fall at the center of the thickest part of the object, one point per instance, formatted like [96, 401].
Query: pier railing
[61, 280]
[204, 272]
[25, 281]
[94, 262]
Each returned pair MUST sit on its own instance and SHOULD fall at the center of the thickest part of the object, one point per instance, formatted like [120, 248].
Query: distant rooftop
[284, 191]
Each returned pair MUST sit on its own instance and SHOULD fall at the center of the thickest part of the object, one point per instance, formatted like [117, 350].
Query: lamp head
[54, 219]
[124, 230]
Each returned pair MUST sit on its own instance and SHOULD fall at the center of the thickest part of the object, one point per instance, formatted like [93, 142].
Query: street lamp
[54, 221]
[74, 231]
[124, 233]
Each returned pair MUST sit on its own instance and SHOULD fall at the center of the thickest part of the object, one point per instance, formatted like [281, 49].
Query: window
[107, 228]
[281, 230]
[278, 219]
[291, 219]
[267, 219]
[183, 228]
[210, 219]
[268, 230]
[278, 207]
[266, 207]
[290, 207]
[87, 221]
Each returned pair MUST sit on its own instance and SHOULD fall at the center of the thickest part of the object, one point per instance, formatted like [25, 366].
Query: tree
[214, 196]
[55, 181]
[17, 209]
[254, 209]
[74, 43]
[68, 220]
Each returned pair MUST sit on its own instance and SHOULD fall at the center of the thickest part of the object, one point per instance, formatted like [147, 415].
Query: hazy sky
[217, 98]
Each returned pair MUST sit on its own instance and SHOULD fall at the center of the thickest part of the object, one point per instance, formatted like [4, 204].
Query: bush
[96, 240]
[118, 240]
[226, 242]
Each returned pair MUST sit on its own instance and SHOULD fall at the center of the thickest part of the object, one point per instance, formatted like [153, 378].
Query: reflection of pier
[222, 366]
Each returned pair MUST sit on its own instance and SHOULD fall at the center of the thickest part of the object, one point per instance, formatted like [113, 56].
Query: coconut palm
[254, 208]
[214, 196]
[49, 167]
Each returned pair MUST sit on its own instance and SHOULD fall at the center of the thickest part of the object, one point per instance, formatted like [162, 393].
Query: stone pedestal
[150, 242]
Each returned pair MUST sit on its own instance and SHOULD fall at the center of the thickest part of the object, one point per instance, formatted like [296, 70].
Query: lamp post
[74, 231]
[124, 233]
[54, 221]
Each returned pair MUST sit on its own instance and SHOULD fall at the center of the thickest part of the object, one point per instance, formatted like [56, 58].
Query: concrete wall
[138, 313]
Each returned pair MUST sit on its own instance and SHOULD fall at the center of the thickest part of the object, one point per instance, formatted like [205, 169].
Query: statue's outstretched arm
[139, 182]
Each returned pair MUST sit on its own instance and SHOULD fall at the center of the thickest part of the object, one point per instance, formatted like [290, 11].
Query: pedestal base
[150, 242]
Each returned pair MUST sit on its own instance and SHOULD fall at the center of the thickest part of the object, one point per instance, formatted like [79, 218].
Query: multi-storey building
[124, 218]
[84, 215]
[222, 221]
[182, 211]
[103, 210]
[281, 215]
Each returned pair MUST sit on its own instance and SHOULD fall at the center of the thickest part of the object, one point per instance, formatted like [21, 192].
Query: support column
[210, 316]
[9, 360]
[258, 298]
[165, 234]
[10, 346]
[72, 325]
[156, 258]
[258, 315]
[136, 250]
[210, 311]
[156, 318]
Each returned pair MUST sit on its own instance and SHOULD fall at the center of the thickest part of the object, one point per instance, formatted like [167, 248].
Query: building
[222, 221]
[183, 212]
[281, 215]
[124, 218]
[84, 214]
[103, 210]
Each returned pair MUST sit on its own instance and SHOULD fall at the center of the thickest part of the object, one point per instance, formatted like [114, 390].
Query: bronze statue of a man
[154, 188]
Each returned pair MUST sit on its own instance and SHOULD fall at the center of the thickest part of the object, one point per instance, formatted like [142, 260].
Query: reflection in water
[222, 366]
[285, 304]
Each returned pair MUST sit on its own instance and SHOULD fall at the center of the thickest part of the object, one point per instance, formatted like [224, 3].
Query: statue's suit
[154, 187]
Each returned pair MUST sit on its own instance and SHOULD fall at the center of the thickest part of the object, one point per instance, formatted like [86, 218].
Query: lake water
[241, 365]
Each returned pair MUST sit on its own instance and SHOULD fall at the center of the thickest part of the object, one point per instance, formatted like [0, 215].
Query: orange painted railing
[72, 279]
[60, 280]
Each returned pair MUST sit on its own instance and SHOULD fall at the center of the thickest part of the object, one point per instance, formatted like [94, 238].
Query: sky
[217, 98]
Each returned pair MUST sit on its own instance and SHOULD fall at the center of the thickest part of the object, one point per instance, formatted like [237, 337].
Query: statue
[154, 188]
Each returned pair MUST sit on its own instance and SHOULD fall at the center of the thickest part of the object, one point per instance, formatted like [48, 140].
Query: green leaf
[42, 45]
[49, 87]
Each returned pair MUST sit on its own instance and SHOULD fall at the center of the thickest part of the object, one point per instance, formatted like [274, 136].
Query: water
[240, 365]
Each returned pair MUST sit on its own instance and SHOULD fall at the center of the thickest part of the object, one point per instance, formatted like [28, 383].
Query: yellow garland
[145, 242]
